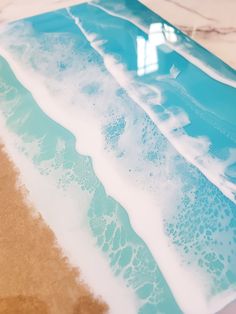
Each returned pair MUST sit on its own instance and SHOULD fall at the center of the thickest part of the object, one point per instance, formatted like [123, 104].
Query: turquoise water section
[146, 17]
[196, 224]
[127, 254]
[209, 104]
[165, 127]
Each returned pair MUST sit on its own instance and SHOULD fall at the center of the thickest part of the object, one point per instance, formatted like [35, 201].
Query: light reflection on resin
[147, 50]
[105, 103]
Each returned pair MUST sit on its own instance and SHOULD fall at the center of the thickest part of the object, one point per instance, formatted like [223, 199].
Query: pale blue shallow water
[86, 59]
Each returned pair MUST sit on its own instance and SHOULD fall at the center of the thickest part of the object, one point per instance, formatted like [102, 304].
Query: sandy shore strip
[35, 278]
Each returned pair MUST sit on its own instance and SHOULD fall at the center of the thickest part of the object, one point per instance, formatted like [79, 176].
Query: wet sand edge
[35, 277]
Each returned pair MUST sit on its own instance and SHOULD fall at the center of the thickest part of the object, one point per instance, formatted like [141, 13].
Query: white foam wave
[142, 208]
[65, 213]
[195, 150]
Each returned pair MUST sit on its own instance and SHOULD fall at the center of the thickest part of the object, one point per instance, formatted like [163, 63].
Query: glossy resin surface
[124, 132]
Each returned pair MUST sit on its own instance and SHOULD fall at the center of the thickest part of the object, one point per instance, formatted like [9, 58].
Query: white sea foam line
[63, 215]
[197, 149]
[152, 228]
[198, 63]
[116, 186]
[144, 216]
[191, 281]
[196, 152]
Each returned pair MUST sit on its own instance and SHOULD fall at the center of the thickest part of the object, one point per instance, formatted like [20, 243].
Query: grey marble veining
[211, 23]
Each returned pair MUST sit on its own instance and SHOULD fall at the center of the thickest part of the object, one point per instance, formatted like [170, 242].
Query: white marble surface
[210, 22]
[17, 9]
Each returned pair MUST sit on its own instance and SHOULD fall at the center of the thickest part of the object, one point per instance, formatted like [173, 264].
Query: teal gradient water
[167, 128]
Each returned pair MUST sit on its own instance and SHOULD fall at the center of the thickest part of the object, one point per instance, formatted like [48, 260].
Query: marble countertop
[212, 23]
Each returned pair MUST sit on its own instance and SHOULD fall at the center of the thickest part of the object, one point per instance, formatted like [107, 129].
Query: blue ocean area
[146, 131]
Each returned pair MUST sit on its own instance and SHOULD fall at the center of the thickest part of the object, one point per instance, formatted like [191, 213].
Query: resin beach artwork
[122, 131]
